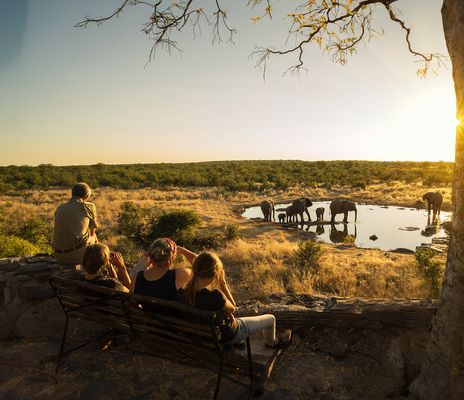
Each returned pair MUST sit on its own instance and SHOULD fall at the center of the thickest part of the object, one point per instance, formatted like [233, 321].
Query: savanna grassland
[260, 258]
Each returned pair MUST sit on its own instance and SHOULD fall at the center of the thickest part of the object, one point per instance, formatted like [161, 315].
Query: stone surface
[32, 290]
[43, 320]
[36, 268]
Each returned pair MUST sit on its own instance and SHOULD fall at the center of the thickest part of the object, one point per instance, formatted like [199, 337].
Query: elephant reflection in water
[320, 230]
[431, 228]
[337, 236]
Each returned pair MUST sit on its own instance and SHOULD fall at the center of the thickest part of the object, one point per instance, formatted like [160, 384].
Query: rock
[32, 290]
[402, 250]
[42, 257]
[35, 268]
[9, 315]
[8, 265]
[45, 319]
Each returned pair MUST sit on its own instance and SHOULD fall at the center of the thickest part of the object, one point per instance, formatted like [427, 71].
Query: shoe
[284, 340]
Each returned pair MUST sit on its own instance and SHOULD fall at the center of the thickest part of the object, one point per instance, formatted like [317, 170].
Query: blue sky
[84, 96]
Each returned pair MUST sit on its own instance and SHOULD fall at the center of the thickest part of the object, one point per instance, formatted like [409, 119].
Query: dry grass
[262, 263]
[258, 268]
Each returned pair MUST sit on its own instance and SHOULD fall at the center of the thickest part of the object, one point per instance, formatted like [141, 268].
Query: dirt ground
[322, 364]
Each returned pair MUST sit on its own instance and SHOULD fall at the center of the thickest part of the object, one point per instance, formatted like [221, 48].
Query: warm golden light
[457, 122]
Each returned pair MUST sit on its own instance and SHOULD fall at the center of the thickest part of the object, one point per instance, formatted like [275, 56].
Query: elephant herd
[300, 206]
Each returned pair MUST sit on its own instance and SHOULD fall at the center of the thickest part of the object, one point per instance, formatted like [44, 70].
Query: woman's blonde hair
[207, 265]
[162, 252]
[95, 257]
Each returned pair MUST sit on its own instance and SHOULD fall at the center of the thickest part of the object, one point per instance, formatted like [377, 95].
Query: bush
[35, 231]
[232, 232]
[13, 246]
[132, 221]
[130, 250]
[307, 257]
[207, 240]
[431, 270]
[349, 240]
[180, 225]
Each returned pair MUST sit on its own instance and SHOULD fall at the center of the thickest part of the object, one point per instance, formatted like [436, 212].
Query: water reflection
[340, 236]
[393, 227]
[431, 229]
[320, 230]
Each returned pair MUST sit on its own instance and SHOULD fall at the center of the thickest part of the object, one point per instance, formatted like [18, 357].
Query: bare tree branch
[338, 27]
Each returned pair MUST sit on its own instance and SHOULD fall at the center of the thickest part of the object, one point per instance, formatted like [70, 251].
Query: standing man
[75, 226]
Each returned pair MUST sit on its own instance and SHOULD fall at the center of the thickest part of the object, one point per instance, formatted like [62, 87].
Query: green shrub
[13, 246]
[35, 231]
[232, 232]
[132, 221]
[180, 225]
[129, 249]
[206, 240]
[349, 240]
[307, 257]
[432, 270]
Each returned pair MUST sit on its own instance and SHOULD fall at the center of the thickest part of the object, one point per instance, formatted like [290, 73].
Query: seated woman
[99, 263]
[154, 275]
[208, 290]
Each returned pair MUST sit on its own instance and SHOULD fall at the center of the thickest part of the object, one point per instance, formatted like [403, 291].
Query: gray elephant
[434, 201]
[301, 205]
[320, 213]
[339, 206]
[290, 213]
[281, 217]
[268, 209]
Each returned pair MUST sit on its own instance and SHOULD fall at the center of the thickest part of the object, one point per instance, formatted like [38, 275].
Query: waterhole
[382, 227]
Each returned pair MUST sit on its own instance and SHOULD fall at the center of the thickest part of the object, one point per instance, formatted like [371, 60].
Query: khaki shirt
[73, 221]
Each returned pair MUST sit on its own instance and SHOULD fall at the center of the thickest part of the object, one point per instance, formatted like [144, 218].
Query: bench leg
[62, 344]
[219, 379]
[250, 365]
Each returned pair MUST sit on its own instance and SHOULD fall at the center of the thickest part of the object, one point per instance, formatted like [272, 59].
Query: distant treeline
[231, 175]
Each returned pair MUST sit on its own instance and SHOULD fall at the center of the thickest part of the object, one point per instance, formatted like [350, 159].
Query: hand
[117, 260]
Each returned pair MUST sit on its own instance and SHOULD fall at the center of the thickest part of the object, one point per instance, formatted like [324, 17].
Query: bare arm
[229, 308]
[183, 276]
[118, 262]
[224, 287]
[189, 255]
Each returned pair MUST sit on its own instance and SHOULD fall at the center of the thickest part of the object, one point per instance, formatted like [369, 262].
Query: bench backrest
[177, 323]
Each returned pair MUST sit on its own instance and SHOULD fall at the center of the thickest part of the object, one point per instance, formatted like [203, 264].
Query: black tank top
[162, 288]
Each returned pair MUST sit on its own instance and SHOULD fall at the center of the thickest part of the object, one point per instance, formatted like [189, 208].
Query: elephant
[320, 213]
[434, 201]
[290, 213]
[301, 205]
[281, 217]
[268, 209]
[339, 206]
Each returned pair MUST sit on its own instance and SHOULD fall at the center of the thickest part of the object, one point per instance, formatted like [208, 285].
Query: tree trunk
[442, 375]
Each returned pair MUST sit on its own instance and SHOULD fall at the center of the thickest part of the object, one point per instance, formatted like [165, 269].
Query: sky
[84, 96]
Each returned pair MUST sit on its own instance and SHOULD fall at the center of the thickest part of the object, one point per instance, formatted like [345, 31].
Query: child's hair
[206, 265]
[95, 257]
[162, 252]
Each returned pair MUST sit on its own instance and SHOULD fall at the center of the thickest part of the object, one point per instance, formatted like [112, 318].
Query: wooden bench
[177, 332]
